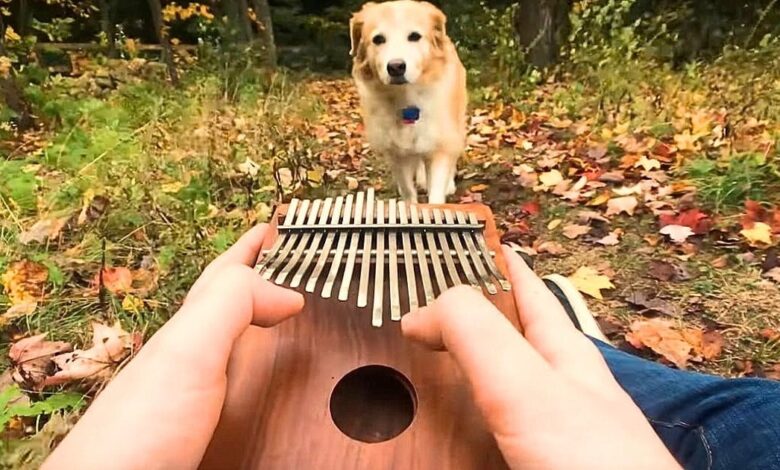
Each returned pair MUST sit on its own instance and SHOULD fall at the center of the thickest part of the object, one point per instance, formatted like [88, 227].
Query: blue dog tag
[410, 115]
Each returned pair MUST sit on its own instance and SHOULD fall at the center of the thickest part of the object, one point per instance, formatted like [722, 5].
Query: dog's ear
[356, 29]
[439, 25]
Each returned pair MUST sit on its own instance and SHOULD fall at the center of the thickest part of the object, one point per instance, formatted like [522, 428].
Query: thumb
[272, 304]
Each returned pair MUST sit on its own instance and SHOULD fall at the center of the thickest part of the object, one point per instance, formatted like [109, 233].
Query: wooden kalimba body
[338, 387]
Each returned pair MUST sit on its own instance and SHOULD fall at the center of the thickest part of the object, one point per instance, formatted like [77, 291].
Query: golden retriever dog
[412, 88]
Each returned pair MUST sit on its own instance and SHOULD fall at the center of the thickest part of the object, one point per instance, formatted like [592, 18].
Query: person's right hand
[547, 396]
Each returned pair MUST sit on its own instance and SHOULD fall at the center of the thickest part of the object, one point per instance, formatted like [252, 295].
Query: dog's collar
[410, 115]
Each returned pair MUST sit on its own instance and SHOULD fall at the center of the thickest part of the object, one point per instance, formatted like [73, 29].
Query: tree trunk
[107, 25]
[162, 37]
[266, 31]
[237, 12]
[25, 18]
[542, 27]
[2, 35]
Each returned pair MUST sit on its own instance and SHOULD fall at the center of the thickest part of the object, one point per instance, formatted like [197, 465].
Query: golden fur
[434, 81]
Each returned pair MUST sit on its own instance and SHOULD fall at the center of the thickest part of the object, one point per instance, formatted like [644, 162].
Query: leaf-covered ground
[659, 199]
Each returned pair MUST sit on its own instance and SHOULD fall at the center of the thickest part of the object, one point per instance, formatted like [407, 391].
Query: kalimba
[338, 387]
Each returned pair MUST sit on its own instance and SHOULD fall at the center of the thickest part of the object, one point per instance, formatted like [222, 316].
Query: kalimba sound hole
[373, 404]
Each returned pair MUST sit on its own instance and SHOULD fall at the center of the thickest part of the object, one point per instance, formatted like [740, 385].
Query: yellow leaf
[550, 178]
[554, 224]
[599, 200]
[478, 188]
[132, 304]
[5, 67]
[589, 281]
[759, 234]
[648, 163]
[11, 36]
[173, 187]
[24, 281]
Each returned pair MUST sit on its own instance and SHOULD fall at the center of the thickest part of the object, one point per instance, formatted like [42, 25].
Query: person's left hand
[161, 410]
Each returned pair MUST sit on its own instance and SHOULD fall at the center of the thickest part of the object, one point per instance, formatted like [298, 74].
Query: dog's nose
[396, 68]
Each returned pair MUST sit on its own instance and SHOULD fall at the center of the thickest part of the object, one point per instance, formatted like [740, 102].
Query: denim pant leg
[706, 422]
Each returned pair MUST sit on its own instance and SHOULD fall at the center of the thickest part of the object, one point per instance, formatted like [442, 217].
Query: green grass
[726, 186]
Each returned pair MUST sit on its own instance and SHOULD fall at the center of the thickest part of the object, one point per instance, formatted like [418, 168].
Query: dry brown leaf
[773, 274]
[31, 359]
[661, 336]
[43, 230]
[612, 239]
[550, 179]
[110, 346]
[647, 301]
[625, 204]
[553, 248]
[677, 233]
[24, 281]
[573, 231]
[589, 281]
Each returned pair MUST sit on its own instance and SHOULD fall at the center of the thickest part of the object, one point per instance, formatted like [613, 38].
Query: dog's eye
[379, 39]
[414, 37]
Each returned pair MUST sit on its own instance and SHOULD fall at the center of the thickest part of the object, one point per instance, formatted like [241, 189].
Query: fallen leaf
[18, 310]
[625, 204]
[249, 168]
[773, 275]
[589, 281]
[773, 372]
[554, 224]
[612, 239]
[770, 334]
[31, 359]
[93, 208]
[110, 346]
[24, 281]
[477, 188]
[599, 200]
[699, 222]
[553, 248]
[649, 302]
[660, 336]
[43, 230]
[668, 272]
[550, 179]
[531, 207]
[720, 262]
[760, 234]
[585, 217]
[573, 231]
[132, 304]
[677, 233]
[172, 187]
[712, 344]
[648, 163]
[352, 183]
[116, 280]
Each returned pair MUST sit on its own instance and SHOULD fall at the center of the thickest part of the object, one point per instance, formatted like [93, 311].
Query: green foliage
[18, 185]
[726, 186]
[51, 404]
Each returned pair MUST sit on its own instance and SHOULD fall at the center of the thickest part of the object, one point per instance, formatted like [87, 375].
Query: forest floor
[660, 203]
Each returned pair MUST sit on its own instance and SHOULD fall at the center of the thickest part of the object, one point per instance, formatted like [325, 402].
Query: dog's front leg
[440, 178]
[404, 171]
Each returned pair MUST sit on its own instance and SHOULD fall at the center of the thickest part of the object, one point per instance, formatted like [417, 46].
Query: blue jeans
[706, 422]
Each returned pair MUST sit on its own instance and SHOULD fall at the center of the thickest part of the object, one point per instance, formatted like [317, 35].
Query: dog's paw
[451, 187]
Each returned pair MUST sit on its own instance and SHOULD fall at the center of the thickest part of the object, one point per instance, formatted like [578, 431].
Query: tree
[237, 12]
[107, 8]
[265, 31]
[162, 37]
[542, 27]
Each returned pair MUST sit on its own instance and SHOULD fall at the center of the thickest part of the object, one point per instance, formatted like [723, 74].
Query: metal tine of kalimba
[301, 245]
[425, 274]
[475, 255]
[311, 284]
[291, 242]
[411, 282]
[281, 239]
[459, 250]
[352, 249]
[315, 244]
[327, 289]
[445, 248]
[491, 264]
[379, 278]
[441, 281]
[395, 301]
[365, 263]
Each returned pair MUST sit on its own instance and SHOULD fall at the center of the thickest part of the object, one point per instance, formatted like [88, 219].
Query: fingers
[498, 362]
[244, 252]
[272, 304]
[547, 326]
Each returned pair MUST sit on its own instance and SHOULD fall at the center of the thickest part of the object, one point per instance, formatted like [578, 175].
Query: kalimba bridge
[401, 255]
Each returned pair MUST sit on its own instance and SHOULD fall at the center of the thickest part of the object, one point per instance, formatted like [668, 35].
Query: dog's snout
[396, 68]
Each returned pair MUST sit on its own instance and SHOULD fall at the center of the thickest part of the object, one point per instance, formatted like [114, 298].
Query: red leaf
[531, 208]
[695, 219]
[755, 212]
